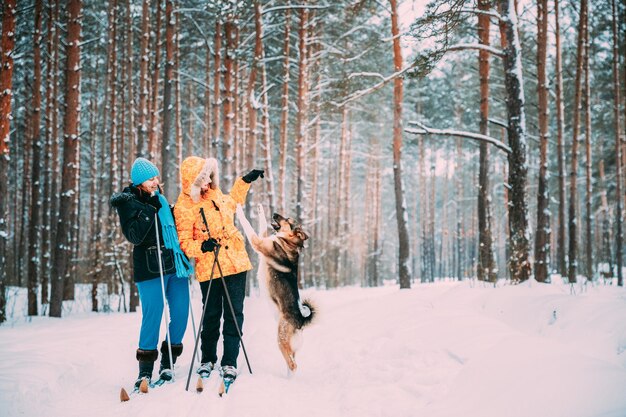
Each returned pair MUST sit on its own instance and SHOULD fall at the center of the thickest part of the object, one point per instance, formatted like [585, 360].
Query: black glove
[209, 245]
[253, 175]
[154, 201]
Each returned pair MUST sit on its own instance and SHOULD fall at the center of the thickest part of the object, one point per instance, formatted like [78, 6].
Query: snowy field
[444, 349]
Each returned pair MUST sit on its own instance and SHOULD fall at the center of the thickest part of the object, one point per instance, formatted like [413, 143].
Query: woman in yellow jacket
[200, 189]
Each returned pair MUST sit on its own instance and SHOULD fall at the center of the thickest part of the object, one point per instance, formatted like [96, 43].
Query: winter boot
[204, 370]
[146, 360]
[166, 369]
[229, 372]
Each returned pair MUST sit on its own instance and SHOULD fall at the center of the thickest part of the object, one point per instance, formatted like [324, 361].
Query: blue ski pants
[151, 298]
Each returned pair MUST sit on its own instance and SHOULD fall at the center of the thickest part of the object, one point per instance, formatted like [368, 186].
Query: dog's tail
[308, 311]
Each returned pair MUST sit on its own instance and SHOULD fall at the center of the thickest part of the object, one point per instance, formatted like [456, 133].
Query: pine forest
[415, 141]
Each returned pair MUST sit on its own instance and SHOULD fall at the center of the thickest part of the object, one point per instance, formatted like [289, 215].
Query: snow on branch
[423, 130]
[366, 74]
[358, 94]
[295, 6]
[491, 13]
[465, 46]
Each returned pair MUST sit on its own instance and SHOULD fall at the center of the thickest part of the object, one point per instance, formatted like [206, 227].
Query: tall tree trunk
[35, 201]
[301, 117]
[404, 255]
[48, 205]
[251, 96]
[284, 116]
[71, 161]
[6, 85]
[95, 209]
[206, 139]
[459, 217]
[169, 154]
[267, 143]
[561, 242]
[153, 128]
[486, 270]
[112, 101]
[229, 109]
[142, 121]
[618, 159]
[519, 263]
[573, 198]
[177, 101]
[542, 236]
[217, 79]
[588, 213]
[132, 130]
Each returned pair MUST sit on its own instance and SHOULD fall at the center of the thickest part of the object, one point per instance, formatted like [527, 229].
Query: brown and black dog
[278, 269]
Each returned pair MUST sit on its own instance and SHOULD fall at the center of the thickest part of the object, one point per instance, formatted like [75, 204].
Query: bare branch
[478, 46]
[358, 94]
[366, 74]
[295, 6]
[423, 130]
[491, 12]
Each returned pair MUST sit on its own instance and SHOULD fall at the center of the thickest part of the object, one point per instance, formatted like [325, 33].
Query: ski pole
[206, 301]
[193, 322]
[230, 304]
[232, 311]
[166, 306]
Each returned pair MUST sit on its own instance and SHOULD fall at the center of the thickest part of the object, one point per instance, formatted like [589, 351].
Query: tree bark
[6, 83]
[35, 201]
[588, 188]
[48, 205]
[519, 264]
[284, 116]
[132, 129]
[618, 148]
[206, 139]
[301, 117]
[562, 242]
[486, 270]
[153, 128]
[111, 108]
[169, 154]
[142, 121]
[217, 79]
[71, 162]
[573, 198]
[542, 235]
[404, 255]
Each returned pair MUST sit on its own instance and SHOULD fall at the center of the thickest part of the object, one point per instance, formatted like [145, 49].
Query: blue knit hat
[143, 170]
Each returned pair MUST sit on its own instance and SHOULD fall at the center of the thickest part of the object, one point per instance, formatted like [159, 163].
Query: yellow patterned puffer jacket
[219, 210]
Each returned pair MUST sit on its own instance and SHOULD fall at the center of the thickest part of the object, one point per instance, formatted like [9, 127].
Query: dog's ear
[301, 234]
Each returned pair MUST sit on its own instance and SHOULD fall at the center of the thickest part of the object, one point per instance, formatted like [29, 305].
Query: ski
[204, 372]
[200, 383]
[142, 389]
[225, 385]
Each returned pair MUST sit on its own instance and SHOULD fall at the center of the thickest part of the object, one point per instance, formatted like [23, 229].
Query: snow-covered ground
[445, 349]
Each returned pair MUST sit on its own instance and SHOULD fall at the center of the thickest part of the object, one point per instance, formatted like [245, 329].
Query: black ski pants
[216, 309]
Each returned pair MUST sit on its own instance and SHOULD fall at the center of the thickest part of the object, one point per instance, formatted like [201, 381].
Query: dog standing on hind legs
[278, 269]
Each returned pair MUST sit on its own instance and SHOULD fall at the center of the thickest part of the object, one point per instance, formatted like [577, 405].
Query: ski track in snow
[438, 350]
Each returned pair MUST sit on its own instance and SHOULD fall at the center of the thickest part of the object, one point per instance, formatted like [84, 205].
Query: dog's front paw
[261, 211]
[239, 211]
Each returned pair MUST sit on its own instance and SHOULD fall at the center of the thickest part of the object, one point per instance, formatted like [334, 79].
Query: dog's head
[289, 228]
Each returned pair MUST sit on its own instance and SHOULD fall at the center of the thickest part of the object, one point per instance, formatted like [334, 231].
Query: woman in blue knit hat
[140, 206]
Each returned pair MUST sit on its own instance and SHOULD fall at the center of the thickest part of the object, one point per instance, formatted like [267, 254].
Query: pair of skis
[224, 386]
[144, 387]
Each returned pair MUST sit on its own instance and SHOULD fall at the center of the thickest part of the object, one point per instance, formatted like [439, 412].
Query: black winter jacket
[137, 220]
